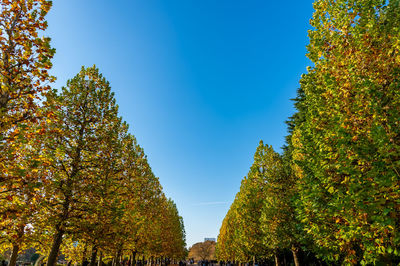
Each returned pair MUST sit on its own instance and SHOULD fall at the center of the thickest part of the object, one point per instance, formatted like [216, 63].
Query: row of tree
[335, 190]
[260, 222]
[72, 178]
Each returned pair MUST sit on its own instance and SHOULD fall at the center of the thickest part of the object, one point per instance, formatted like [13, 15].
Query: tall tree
[228, 244]
[173, 232]
[278, 222]
[85, 115]
[106, 182]
[24, 63]
[20, 200]
[347, 144]
[250, 203]
[261, 221]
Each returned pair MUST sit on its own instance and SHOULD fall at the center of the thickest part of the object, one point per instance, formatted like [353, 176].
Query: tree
[261, 222]
[69, 169]
[203, 251]
[278, 222]
[141, 197]
[85, 116]
[173, 232]
[20, 200]
[250, 203]
[228, 244]
[24, 63]
[346, 145]
[105, 193]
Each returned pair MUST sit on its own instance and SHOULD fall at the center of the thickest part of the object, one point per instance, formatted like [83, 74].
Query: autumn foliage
[334, 193]
[73, 180]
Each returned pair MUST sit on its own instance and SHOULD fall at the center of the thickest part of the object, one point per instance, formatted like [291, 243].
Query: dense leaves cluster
[260, 222]
[73, 180]
[338, 193]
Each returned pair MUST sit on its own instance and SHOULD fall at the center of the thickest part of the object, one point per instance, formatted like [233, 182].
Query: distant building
[210, 239]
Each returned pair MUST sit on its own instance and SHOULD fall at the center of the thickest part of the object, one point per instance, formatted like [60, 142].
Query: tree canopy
[73, 180]
[337, 195]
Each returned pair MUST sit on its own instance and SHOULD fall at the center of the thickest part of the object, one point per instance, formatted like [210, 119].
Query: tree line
[73, 180]
[333, 195]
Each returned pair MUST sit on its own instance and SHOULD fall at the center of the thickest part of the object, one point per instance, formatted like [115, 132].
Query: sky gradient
[199, 82]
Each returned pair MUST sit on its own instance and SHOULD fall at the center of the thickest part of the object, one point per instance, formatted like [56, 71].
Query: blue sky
[200, 83]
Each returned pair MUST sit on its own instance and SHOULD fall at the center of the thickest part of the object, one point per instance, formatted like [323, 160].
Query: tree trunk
[118, 257]
[133, 258]
[277, 261]
[93, 257]
[84, 255]
[52, 260]
[100, 263]
[295, 252]
[16, 246]
[14, 255]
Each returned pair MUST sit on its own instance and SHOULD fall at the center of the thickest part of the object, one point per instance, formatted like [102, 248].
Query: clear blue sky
[200, 83]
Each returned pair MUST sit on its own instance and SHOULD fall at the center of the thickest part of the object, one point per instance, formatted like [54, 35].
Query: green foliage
[346, 143]
[227, 242]
[337, 190]
[278, 221]
[261, 220]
